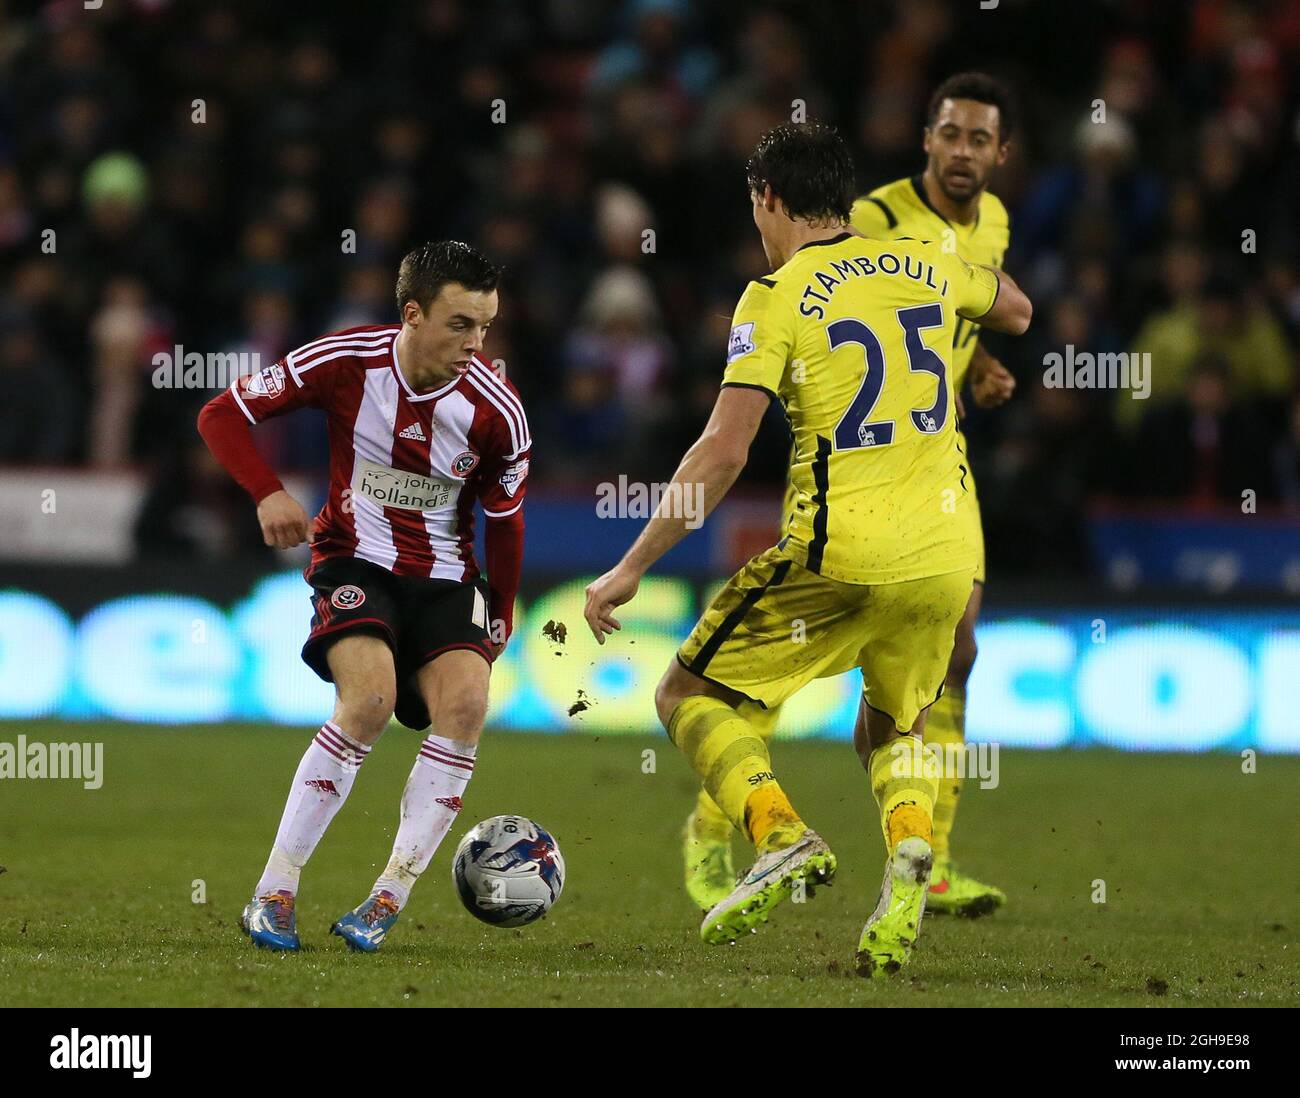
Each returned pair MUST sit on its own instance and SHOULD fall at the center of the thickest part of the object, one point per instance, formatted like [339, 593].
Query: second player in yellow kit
[967, 136]
[902, 209]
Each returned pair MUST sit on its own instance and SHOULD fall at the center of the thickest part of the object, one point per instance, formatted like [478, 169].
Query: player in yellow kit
[966, 137]
[875, 566]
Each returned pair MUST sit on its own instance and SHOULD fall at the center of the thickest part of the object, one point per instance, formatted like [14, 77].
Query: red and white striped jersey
[405, 467]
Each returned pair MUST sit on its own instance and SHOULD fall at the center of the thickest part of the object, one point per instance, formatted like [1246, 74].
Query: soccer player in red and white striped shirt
[420, 428]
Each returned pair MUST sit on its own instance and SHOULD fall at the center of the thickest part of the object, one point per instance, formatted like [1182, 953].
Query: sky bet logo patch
[269, 383]
[741, 341]
[513, 476]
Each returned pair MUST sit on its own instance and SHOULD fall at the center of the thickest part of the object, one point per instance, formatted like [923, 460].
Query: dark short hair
[808, 166]
[427, 269]
[980, 87]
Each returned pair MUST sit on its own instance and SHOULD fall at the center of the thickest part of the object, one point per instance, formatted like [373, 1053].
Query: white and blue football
[508, 871]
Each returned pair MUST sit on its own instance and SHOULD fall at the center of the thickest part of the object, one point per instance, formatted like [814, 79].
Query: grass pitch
[97, 893]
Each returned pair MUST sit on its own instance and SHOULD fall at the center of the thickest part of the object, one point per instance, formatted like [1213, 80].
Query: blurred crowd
[244, 177]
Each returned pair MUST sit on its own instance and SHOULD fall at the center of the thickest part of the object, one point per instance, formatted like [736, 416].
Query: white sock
[320, 787]
[430, 803]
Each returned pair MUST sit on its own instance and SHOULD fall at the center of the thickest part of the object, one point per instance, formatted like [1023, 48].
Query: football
[508, 871]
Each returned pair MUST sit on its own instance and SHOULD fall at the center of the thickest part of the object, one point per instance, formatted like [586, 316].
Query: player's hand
[284, 522]
[991, 383]
[614, 588]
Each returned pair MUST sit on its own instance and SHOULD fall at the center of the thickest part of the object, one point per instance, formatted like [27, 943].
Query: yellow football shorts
[776, 626]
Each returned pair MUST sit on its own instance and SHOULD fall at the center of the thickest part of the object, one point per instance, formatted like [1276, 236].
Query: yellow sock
[729, 755]
[945, 726]
[904, 784]
[709, 822]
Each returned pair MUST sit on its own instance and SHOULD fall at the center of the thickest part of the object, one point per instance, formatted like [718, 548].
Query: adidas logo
[414, 431]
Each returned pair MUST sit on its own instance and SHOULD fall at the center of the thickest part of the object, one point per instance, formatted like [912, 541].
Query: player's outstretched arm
[704, 476]
[1011, 310]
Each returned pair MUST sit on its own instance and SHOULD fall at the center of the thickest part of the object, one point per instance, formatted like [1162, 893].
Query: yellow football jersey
[901, 209]
[855, 337]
